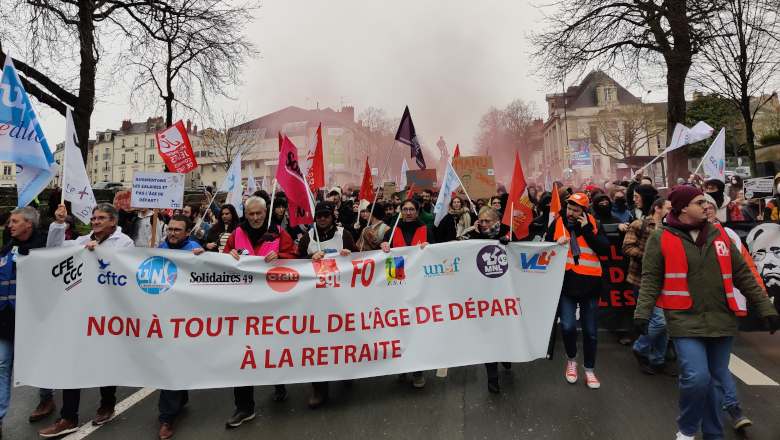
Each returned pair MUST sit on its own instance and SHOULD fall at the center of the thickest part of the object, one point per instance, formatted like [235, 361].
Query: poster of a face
[764, 246]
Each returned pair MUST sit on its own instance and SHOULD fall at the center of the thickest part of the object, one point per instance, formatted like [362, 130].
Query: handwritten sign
[760, 186]
[477, 175]
[122, 200]
[157, 190]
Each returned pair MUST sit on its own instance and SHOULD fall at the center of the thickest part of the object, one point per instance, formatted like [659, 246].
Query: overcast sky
[449, 61]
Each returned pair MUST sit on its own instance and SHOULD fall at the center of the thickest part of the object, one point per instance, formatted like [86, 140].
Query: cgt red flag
[175, 149]
[518, 212]
[457, 151]
[314, 165]
[367, 188]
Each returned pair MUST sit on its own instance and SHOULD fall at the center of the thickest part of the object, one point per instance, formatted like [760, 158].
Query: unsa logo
[537, 262]
[492, 261]
[328, 274]
[282, 279]
[156, 275]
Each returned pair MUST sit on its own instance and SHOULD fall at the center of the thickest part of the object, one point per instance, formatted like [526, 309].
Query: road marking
[748, 374]
[123, 406]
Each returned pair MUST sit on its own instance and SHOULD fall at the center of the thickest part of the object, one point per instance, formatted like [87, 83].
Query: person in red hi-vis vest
[581, 283]
[408, 232]
[690, 270]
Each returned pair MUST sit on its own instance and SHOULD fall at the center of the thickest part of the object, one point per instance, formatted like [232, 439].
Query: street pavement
[536, 402]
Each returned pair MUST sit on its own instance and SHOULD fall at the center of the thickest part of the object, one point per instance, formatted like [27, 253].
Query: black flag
[408, 136]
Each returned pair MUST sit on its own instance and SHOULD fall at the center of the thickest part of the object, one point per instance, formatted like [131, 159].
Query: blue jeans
[169, 404]
[6, 367]
[730, 389]
[704, 367]
[589, 314]
[653, 344]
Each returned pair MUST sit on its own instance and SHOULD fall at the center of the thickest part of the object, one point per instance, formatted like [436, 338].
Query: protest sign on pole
[477, 175]
[157, 190]
[76, 187]
[759, 187]
[221, 323]
[175, 148]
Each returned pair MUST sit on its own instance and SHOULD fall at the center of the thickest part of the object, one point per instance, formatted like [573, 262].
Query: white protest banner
[715, 158]
[157, 190]
[77, 189]
[759, 185]
[167, 319]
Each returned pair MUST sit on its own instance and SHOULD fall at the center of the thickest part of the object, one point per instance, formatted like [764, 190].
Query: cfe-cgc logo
[70, 271]
[156, 275]
[394, 270]
[492, 261]
[443, 269]
[537, 263]
[282, 279]
[328, 274]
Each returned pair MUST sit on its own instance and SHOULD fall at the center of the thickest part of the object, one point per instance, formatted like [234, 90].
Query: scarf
[255, 235]
[702, 226]
[718, 197]
[491, 232]
[461, 218]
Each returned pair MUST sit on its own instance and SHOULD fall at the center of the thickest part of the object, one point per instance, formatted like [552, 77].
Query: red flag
[175, 149]
[289, 177]
[410, 193]
[555, 205]
[314, 165]
[518, 212]
[367, 188]
[457, 151]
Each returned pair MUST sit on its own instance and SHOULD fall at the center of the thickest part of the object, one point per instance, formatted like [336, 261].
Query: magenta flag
[290, 178]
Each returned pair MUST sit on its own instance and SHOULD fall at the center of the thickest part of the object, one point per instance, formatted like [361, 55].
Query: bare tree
[229, 135]
[375, 135]
[742, 62]
[621, 132]
[767, 119]
[632, 36]
[191, 56]
[519, 128]
[491, 131]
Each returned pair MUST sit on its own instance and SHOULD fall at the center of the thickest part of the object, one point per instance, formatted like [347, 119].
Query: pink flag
[290, 178]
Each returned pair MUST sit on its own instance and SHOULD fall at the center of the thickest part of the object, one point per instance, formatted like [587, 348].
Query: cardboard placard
[477, 175]
[422, 179]
[122, 200]
[157, 190]
[389, 189]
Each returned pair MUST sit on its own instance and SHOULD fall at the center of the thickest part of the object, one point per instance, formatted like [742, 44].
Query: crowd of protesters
[662, 237]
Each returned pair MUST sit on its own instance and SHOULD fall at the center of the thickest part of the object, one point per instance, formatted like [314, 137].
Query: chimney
[318, 105]
[348, 114]
[195, 129]
[126, 125]
[189, 126]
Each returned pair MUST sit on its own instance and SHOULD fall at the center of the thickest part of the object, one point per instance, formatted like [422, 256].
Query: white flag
[265, 184]
[548, 182]
[251, 185]
[715, 159]
[449, 185]
[683, 135]
[232, 184]
[75, 183]
[404, 169]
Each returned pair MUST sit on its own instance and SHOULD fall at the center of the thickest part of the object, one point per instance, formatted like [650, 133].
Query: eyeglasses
[100, 219]
[699, 203]
[761, 254]
[708, 207]
[408, 209]
[486, 221]
[175, 231]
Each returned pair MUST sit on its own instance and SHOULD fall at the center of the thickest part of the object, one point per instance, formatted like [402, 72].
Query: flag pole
[394, 227]
[387, 162]
[270, 210]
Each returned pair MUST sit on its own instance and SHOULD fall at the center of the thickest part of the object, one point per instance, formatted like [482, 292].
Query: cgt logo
[328, 274]
[282, 279]
[443, 269]
[394, 270]
[156, 275]
[537, 263]
[70, 270]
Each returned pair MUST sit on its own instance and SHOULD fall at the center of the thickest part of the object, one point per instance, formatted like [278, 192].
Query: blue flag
[21, 138]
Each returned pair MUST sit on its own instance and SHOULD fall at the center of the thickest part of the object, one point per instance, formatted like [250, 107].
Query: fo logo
[328, 274]
[70, 271]
[156, 275]
[537, 263]
[394, 270]
[282, 279]
[492, 261]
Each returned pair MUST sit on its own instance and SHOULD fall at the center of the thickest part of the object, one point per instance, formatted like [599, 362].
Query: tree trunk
[82, 113]
[677, 160]
[749, 134]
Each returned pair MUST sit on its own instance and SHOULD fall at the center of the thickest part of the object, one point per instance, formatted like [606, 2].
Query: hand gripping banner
[169, 319]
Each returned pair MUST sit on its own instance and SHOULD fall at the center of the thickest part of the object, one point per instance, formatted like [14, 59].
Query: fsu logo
[394, 270]
[328, 274]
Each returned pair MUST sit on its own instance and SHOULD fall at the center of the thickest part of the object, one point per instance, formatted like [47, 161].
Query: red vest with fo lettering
[675, 294]
[420, 237]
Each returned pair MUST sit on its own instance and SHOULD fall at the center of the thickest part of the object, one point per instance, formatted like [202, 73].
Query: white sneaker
[571, 371]
[681, 436]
